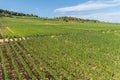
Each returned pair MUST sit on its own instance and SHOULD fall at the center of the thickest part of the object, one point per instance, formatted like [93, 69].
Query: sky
[103, 10]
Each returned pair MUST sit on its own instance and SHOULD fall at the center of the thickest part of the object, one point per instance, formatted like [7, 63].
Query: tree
[12, 13]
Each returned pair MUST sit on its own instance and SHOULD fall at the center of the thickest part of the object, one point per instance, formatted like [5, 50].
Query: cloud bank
[90, 5]
[107, 17]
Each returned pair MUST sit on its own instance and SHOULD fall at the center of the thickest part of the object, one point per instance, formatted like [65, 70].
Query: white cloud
[90, 5]
[76, 11]
[107, 17]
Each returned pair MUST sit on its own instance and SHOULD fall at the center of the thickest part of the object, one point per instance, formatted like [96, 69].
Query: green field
[58, 50]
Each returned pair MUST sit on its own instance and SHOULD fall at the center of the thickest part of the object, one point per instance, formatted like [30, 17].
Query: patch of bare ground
[93, 66]
[1, 40]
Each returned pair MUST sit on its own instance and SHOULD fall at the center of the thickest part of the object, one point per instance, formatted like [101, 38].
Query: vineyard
[33, 49]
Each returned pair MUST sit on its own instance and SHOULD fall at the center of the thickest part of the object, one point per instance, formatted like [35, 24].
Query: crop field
[35, 49]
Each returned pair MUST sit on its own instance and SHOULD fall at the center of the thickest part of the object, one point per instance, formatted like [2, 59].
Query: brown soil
[11, 71]
[20, 66]
[49, 65]
[1, 71]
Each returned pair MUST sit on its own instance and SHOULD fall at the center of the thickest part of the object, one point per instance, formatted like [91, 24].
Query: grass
[37, 26]
[92, 56]
[14, 64]
[75, 50]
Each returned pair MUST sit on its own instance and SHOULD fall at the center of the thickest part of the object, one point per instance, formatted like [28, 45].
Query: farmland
[58, 50]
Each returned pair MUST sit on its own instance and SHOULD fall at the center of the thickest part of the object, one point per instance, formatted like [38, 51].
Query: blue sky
[104, 10]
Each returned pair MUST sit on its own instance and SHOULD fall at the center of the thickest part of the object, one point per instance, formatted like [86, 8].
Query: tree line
[68, 19]
[74, 19]
[7, 13]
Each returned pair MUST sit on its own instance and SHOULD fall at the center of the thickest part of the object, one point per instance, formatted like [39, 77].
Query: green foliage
[84, 54]
[74, 19]
[74, 50]
[7, 13]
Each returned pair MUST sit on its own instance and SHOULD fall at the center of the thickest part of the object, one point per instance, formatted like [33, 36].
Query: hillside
[33, 48]
[74, 19]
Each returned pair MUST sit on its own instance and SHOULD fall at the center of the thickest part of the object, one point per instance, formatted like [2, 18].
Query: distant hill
[69, 19]
[7, 13]
[74, 19]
